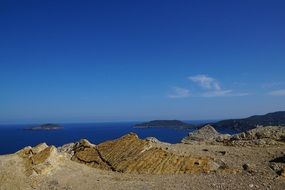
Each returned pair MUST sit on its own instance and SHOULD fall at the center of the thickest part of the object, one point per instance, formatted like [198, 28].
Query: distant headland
[164, 124]
[236, 125]
[245, 124]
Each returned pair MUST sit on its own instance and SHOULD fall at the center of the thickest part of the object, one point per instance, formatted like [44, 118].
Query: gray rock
[269, 132]
[152, 139]
[205, 133]
[249, 168]
[275, 167]
[260, 136]
[223, 137]
[67, 148]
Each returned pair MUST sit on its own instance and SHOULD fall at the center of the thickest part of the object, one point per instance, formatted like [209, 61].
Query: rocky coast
[204, 159]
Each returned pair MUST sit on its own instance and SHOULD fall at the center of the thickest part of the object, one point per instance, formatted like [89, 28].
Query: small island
[176, 124]
[47, 127]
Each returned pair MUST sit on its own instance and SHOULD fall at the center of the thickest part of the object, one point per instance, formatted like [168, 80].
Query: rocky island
[47, 127]
[205, 159]
[164, 124]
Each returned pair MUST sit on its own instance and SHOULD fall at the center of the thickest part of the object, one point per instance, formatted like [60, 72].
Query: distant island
[241, 125]
[164, 124]
[235, 125]
[48, 126]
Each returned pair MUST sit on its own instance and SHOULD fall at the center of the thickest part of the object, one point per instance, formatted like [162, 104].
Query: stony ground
[46, 168]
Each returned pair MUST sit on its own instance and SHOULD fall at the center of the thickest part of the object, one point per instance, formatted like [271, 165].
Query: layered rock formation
[130, 154]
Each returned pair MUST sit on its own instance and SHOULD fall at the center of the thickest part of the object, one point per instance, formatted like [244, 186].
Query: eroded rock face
[40, 159]
[129, 154]
[87, 153]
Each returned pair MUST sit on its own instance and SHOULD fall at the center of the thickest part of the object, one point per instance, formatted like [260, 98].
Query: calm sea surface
[14, 137]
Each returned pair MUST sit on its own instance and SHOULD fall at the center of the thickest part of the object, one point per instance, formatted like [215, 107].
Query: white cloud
[280, 92]
[206, 82]
[223, 93]
[212, 88]
[179, 93]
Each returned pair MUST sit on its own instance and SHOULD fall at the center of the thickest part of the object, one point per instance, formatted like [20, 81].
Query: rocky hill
[241, 125]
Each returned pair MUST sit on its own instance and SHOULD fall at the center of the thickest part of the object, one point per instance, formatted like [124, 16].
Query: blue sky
[84, 61]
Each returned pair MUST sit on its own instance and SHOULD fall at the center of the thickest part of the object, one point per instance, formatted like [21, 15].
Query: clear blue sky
[76, 61]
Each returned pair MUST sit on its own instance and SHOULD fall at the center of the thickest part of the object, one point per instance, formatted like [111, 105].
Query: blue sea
[14, 137]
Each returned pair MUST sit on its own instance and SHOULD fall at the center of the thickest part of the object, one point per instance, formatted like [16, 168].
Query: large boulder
[205, 134]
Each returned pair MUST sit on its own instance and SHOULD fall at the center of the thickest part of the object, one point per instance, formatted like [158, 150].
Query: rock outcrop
[129, 154]
[260, 136]
[270, 132]
[270, 135]
[40, 159]
[87, 153]
[206, 134]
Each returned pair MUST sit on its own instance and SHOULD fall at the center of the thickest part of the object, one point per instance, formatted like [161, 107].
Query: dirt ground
[69, 175]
